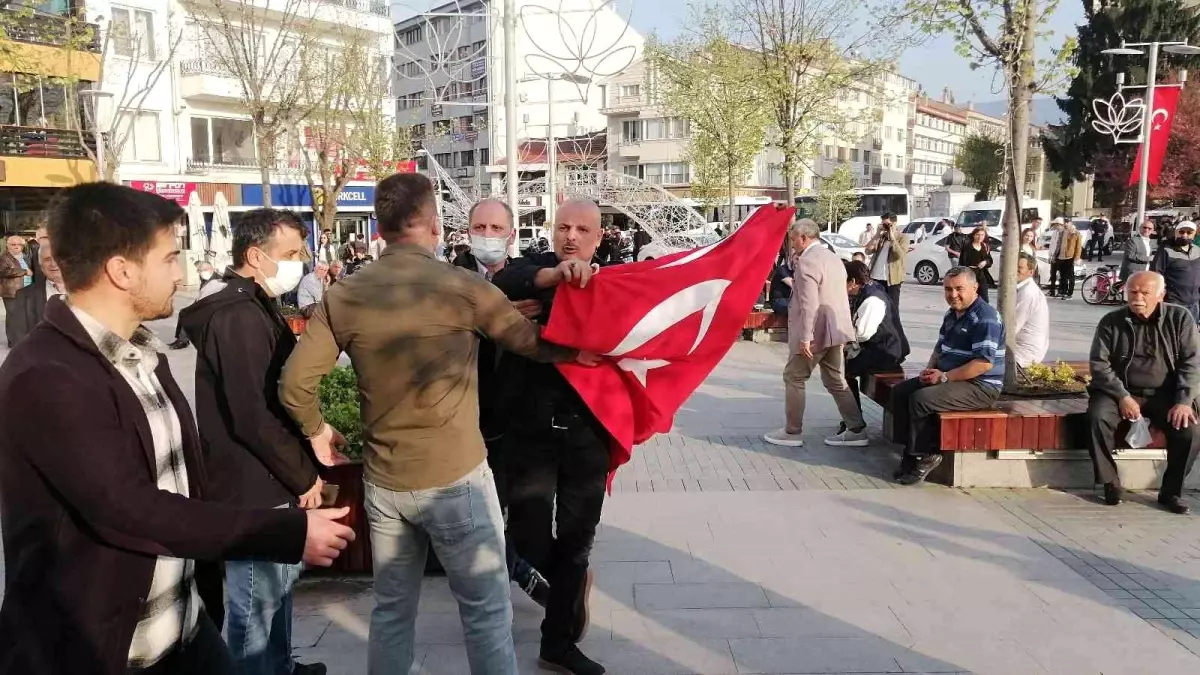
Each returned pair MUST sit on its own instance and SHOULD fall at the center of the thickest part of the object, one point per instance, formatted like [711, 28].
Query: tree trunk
[789, 179]
[1019, 98]
[266, 155]
[729, 214]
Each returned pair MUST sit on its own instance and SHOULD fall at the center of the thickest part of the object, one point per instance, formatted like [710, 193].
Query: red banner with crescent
[1165, 102]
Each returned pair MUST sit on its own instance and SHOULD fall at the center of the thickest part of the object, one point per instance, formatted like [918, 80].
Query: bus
[717, 215]
[873, 202]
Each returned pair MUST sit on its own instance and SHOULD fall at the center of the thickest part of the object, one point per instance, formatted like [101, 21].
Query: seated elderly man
[1031, 325]
[965, 372]
[1145, 363]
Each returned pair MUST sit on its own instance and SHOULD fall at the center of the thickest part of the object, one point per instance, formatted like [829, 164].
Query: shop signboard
[177, 192]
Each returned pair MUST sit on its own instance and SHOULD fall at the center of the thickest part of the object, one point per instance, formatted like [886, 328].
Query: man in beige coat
[819, 324]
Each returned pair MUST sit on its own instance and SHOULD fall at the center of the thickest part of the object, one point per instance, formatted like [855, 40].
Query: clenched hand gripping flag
[664, 324]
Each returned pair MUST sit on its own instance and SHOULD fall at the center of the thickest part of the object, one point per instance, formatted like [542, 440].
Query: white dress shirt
[1031, 324]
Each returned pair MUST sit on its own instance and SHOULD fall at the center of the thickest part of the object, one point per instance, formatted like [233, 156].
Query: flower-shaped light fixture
[1118, 117]
[580, 54]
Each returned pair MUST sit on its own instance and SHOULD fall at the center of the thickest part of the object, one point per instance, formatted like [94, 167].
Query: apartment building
[50, 55]
[449, 80]
[937, 130]
[190, 134]
[876, 150]
[979, 124]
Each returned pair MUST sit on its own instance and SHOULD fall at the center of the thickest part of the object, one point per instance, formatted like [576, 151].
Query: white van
[992, 213]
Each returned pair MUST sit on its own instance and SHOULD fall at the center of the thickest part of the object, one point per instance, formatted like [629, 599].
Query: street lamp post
[1144, 136]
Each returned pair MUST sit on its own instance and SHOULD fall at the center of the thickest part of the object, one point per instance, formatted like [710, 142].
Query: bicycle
[1104, 286]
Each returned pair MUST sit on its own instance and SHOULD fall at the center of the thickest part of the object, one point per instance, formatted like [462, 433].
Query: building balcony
[51, 31]
[203, 165]
[376, 7]
[629, 149]
[207, 79]
[619, 104]
[42, 142]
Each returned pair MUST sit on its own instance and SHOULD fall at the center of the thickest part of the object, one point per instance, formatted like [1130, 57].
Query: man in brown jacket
[102, 482]
[411, 327]
[888, 251]
[15, 274]
[819, 324]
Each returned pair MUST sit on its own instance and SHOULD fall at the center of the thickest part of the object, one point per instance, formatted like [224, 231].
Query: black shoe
[570, 661]
[178, 344]
[583, 617]
[308, 669]
[537, 587]
[1113, 494]
[907, 464]
[923, 468]
[1175, 505]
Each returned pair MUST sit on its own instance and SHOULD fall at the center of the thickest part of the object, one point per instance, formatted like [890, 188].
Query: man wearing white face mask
[255, 453]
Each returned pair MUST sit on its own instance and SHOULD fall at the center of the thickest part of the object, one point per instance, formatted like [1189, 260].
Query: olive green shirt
[411, 327]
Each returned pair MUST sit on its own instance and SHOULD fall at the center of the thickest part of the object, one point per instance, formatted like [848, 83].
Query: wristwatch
[943, 379]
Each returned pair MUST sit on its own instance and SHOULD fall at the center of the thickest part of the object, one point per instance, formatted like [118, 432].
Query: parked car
[927, 261]
[844, 247]
[1085, 230]
[926, 227]
[673, 243]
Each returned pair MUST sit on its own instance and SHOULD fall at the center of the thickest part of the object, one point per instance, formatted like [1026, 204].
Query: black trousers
[983, 291]
[1063, 272]
[915, 423]
[10, 306]
[1103, 418]
[1095, 246]
[565, 467]
[867, 361]
[893, 292]
[518, 568]
[206, 654]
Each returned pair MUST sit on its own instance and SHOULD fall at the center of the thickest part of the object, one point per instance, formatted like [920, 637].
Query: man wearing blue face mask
[255, 454]
[491, 232]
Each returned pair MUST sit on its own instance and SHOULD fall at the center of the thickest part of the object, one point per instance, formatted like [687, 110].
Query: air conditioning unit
[575, 118]
[525, 118]
[523, 98]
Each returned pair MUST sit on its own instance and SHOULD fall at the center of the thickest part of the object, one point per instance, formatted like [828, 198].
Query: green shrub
[339, 404]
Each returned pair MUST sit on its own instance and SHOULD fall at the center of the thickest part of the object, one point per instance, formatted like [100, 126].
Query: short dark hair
[858, 272]
[397, 199]
[962, 271]
[1030, 261]
[91, 223]
[888, 216]
[256, 227]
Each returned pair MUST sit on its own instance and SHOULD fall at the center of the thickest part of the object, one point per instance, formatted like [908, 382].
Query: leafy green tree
[1075, 149]
[981, 160]
[835, 197]
[710, 81]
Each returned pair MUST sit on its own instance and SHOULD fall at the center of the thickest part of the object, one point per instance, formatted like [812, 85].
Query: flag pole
[1147, 134]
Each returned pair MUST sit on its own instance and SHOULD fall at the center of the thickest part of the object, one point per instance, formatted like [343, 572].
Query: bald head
[1144, 292]
[49, 267]
[490, 218]
[577, 230]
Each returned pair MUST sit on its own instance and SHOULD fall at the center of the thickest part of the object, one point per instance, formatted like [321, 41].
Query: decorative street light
[1118, 117]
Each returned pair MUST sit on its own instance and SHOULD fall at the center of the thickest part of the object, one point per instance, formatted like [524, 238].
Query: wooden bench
[765, 326]
[1023, 429]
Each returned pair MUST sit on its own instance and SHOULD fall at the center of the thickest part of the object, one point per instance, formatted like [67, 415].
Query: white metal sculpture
[1119, 118]
[578, 56]
[451, 70]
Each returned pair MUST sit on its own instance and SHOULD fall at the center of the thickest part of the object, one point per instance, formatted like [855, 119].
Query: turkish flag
[664, 324]
[1165, 101]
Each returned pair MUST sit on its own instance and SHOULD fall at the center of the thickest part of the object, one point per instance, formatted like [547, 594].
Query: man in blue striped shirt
[965, 372]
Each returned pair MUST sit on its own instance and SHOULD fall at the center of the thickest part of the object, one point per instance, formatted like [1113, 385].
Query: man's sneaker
[853, 438]
[1113, 494]
[583, 617]
[1175, 505]
[907, 464]
[537, 587]
[782, 437]
[308, 669]
[570, 661]
[923, 468]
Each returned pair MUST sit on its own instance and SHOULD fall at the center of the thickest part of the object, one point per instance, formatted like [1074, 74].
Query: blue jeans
[259, 620]
[464, 524]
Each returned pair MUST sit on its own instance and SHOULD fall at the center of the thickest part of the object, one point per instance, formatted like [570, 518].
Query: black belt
[1148, 393]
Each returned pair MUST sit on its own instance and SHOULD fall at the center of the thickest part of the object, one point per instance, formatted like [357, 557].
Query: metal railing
[42, 142]
[204, 66]
[204, 164]
[376, 7]
[42, 29]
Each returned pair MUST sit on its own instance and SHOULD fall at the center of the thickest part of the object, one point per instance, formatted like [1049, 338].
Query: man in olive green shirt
[411, 327]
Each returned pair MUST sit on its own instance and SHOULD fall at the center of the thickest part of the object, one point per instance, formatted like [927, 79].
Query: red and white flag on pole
[1165, 101]
[664, 324]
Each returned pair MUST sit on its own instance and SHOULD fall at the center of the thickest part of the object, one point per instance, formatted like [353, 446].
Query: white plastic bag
[1139, 433]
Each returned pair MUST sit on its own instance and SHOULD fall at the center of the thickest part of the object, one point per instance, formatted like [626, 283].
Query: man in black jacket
[103, 487]
[1178, 261]
[491, 227]
[1145, 362]
[30, 304]
[256, 455]
[558, 451]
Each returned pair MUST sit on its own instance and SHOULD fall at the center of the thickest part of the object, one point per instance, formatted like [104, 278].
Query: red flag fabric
[664, 324]
[1165, 101]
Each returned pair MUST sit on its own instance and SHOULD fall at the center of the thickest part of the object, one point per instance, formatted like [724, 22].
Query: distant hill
[1044, 110]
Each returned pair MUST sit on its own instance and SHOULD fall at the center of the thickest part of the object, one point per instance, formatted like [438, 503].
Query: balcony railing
[376, 7]
[204, 66]
[41, 29]
[196, 165]
[42, 142]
